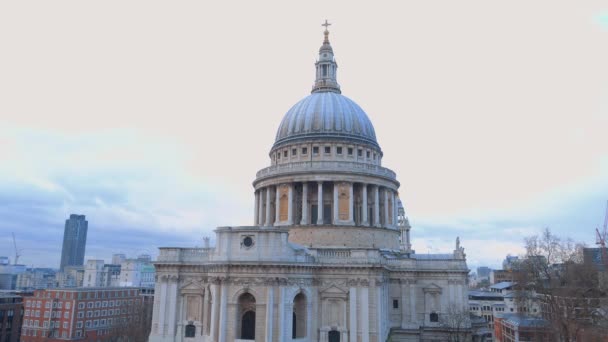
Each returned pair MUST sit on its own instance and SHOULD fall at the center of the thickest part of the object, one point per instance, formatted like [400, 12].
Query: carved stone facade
[329, 257]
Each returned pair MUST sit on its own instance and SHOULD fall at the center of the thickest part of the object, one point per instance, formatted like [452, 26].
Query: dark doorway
[333, 336]
[248, 326]
[314, 211]
[370, 216]
[190, 330]
[327, 214]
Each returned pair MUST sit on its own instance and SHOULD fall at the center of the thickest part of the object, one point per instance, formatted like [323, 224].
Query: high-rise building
[118, 258]
[74, 241]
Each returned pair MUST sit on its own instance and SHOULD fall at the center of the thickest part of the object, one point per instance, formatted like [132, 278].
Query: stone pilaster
[163, 306]
[364, 313]
[205, 315]
[223, 313]
[215, 310]
[352, 301]
[405, 317]
[172, 305]
[269, 312]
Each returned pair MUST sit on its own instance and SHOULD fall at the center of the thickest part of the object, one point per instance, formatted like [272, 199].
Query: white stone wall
[354, 299]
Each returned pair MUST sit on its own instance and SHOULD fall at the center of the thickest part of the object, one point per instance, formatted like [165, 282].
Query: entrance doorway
[333, 336]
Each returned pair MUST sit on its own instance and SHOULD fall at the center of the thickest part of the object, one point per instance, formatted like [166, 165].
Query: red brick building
[82, 314]
[11, 313]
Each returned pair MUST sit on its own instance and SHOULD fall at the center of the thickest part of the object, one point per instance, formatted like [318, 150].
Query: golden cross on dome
[326, 24]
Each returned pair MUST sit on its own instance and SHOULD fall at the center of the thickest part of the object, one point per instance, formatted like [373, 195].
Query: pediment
[333, 291]
[432, 288]
[193, 286]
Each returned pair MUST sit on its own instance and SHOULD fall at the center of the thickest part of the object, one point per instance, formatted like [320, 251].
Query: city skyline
[495, 133]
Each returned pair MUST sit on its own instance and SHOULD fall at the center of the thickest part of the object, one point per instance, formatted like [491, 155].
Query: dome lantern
[327, 67]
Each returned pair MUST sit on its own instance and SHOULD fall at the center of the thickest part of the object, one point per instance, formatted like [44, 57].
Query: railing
[183, 255]
[333, 253]
[332, 166]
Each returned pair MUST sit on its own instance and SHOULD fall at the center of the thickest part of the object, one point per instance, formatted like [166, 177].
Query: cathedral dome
[326, 115]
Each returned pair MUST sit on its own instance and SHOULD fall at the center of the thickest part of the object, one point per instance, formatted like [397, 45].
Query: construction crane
[601, 239]
[17, 255]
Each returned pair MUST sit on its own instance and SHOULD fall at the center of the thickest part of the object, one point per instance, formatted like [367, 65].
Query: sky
[151, 117]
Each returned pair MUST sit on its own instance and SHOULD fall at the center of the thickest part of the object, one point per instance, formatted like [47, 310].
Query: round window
[248, 241]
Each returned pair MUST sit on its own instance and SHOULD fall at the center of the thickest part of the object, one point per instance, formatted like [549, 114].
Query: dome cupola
[326, 113]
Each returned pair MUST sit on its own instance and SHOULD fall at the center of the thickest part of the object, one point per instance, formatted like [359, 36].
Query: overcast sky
[152, 117]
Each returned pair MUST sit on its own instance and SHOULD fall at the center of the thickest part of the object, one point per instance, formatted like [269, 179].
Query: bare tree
[457, 322]
[135, 325]
[553, 274]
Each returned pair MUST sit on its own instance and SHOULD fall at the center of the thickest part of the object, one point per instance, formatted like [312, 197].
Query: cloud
[128, 184]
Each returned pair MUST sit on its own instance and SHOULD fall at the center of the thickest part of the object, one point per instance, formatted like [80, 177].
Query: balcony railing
[330, 166]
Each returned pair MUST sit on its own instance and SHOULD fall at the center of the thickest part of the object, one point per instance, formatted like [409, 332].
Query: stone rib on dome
[326, 115]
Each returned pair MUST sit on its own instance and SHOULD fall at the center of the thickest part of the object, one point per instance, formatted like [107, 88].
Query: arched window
[298, 329]
[246, 309]
[248, 326]
[434, 317]
[190, 330]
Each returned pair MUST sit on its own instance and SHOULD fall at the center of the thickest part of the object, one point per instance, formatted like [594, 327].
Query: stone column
[215, 311]
[376, 206]
[386, 207]
[267, 223]
[290, 205]
[269, 312]
[395, 209]
[256, 208]
[351, 204]
[352, 301]
[304, 220]
[320, 203]
[261, 207]
[335, 201]
[277, 206]
[364, 206]
[223, 307]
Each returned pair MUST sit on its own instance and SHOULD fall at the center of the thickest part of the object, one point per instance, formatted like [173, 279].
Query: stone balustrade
[169, 254]
[329, 166]
[323, 256]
